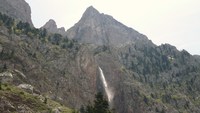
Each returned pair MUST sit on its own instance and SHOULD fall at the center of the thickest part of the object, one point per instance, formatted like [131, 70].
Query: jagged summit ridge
[101, 29]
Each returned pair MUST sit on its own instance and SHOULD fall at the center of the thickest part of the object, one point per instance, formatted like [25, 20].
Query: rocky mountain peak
[90, 12]
[52, 27]
[101, 29]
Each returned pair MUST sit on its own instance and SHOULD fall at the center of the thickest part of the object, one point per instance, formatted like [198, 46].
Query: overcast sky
[176, 22]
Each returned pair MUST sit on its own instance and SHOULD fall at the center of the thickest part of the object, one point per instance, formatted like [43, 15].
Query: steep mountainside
[17, 9]
[63, 72]
[101, 55]
[144, 77]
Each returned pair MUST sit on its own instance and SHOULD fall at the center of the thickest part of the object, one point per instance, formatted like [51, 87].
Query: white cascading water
[108, 91]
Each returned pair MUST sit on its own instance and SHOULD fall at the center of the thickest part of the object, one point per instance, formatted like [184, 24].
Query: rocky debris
[17, 9]
[51, 27]
[6, 77]
[5, 105]
[4, 31]
[35, 91]
[57, 110]
[27, 87]
[24, 109]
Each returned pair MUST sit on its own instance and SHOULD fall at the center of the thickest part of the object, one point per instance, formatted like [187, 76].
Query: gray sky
[176, 22]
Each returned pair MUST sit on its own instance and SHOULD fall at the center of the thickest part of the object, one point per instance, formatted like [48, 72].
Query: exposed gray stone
[6, 77]
[102, 29]
[51, 27]
[18, 9]
[26, 87]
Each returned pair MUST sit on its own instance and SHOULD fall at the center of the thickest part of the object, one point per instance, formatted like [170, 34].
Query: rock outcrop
[27, 87]
[17, 9]
[6, 77]
[51, 27]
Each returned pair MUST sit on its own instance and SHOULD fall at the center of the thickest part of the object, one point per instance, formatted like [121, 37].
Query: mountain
[17, 9]
[51, 27]
[100, 55]
[143, 77]
[101, 29]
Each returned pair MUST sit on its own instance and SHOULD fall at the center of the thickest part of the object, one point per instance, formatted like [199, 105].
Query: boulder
[6, 77]
[27, 87]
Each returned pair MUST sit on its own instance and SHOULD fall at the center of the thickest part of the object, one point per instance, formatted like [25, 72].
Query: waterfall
[107, 90]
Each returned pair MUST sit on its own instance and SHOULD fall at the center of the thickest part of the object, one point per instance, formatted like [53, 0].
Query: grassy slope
[13, 100]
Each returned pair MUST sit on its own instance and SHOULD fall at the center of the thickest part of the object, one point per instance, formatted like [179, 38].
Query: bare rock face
[17, 9]
[52, 27]
[101, 29]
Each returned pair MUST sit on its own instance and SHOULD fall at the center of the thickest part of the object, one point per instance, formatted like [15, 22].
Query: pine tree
[100, 105]
[82, 109]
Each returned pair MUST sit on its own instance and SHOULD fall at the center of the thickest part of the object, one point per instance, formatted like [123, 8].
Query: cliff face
[17, 9]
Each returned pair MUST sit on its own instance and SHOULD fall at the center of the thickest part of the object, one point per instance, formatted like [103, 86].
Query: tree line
[19, 28]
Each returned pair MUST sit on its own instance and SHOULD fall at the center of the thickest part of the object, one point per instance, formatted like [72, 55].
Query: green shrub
[21, 93]
[9, 89]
